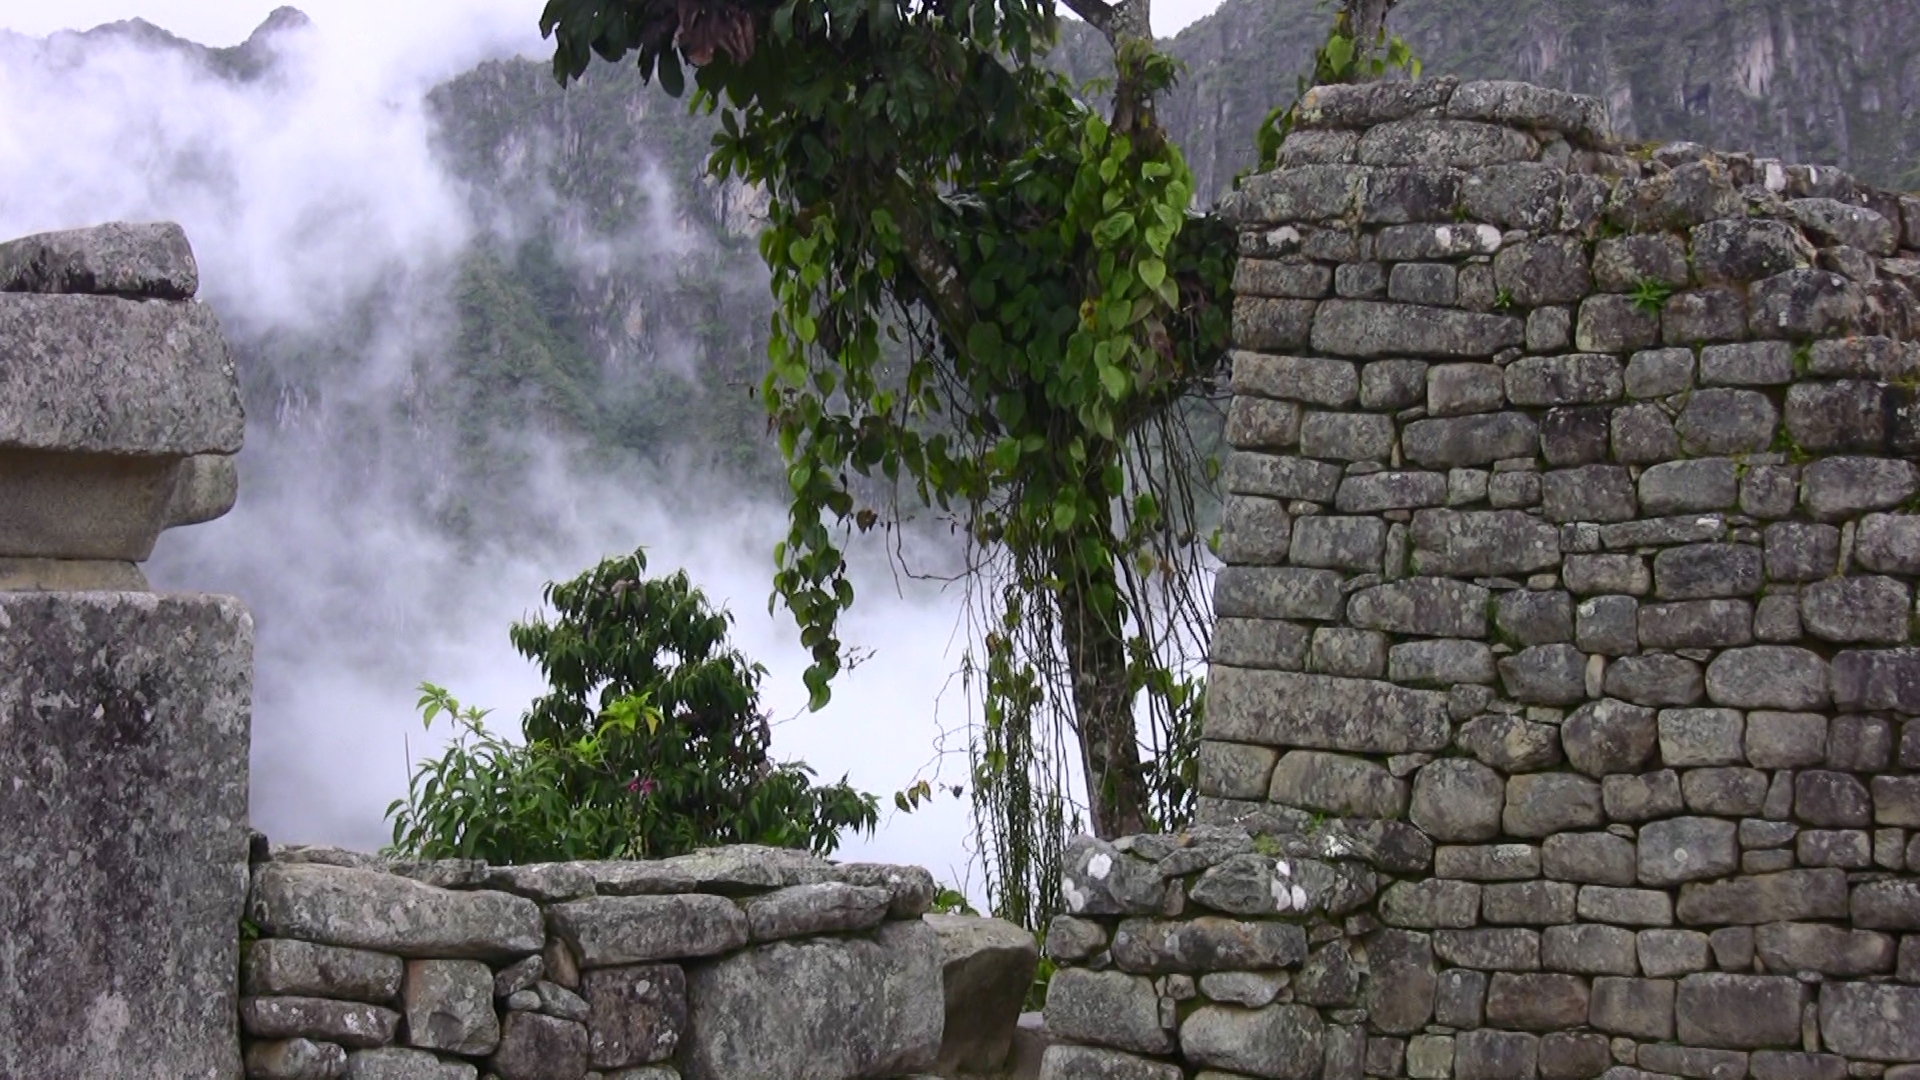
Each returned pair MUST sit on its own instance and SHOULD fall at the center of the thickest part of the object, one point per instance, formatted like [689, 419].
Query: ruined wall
[728, 963]
[1565, 710]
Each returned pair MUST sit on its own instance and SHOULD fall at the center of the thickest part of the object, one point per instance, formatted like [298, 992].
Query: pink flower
[642, 786]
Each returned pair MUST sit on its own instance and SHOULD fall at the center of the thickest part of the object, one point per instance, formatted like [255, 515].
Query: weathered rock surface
[367, 909]
[123, 738]
[821, 1009]
[986, 970]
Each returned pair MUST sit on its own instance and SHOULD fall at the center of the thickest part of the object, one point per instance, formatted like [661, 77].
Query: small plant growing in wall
[650, 742]
[1650, 295]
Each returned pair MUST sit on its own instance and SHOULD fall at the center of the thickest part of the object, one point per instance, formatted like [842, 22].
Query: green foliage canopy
[649, 743]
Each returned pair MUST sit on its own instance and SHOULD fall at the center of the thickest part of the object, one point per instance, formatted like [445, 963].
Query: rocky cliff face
[1819, 81]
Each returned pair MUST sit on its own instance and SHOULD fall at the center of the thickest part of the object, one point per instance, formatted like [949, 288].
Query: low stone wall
[1564, 712]
[728, 963]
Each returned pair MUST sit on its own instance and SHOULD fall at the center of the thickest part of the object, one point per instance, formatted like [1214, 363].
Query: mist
[313, 196]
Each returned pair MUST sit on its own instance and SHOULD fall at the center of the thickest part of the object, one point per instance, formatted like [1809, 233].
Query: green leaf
[1152, 272]
[1064, 515]
[1114, 381]
[1339, 54]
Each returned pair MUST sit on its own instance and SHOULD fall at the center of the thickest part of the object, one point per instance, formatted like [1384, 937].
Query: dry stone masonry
[123, 714]
[722, 965]
[1564, 717]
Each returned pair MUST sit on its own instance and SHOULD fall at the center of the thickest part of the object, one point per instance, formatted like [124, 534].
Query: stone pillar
[123, 714]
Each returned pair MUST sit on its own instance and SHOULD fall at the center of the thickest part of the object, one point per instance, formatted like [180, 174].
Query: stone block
[1624, 907]
[1896, 801]
[1666, 953]
[1729, 792]
[1440, 663]
[1482, 543]
[1460, 999]
[282, 967]
[1540, 804]
[1860, 609]
[1789, 948]
[1608, 625]
[1644, 434]
[819, 908]
[1888, 544]
[1262, 424]
[1287, 278]
[1280, 1041]
[448, 1005]
[1489, 949]
[1589, 949]
[1843, 415]
[1776, 619]
[1738, 1012]
[1549, 329]
[1693, 1061]
[1840, 487]
[1699, 571]
[1312, 380]
[1432, 903]
[295, 1059]
[1822, 797]
[1749, 363]
[1768, 677]
[881, 991]
[1564, 380]
[1528, 903]
[1346, 436]
[1770, 491]
[1545, 675]
[1738, 250]
[1573, 1056]
[1609, 736]
[1470, 440]
[1511, 744]
[1877, 679]
[1610, 323]
[1831, 222]
[1763, 898]
[1691, 738]
[1460, 389]
[1681, 198]
[399, 1063]
[348, 1023]
[538, 1047]
[1486, 1054]
[1422, 606]
[1339, 542]
[1639, 1008]
[1235, 770]
[1626, 575]
[1642, 798]
[612, 931]
[1518, 195]
[134, 260]
[1067, 1062]
[1154, 947]
[1458, 144]
[1276, 708]
[1800, 551]
[1602, 493]
[1514, 488]
[1724, 421]
[1337, 784]
[1277, 592]
[1371, 493]
[1367, 329]
[1301, 193]
[125, 814]
[637, 1014]
[1097, 878]
[1575, 435]
[1656, 373]
[1537, 1002]
[1886, 905]
[1595, 858]
[1490, 862]
[1424, 283]
[1266, 643]
[1709, 314]
[1622, 263]
[1360, 281]
[1400, 992]
[1793, 1065]
[1352, 654]
[1280, 477]
[1531, 618]
[1654, 679]
[1401, 195]
[1687, 849]
[1803, 304]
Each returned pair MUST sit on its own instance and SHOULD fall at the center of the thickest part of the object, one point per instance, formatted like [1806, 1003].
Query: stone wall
[729, 963]
[123, 715]
[1564, 716]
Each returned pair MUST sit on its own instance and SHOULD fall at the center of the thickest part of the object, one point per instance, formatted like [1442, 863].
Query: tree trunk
[1102, 705]
[1367, 20]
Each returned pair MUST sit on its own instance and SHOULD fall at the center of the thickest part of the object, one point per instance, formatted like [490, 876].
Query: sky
[228, 22]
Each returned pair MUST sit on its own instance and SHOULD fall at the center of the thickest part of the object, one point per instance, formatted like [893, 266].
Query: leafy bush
[649, 743]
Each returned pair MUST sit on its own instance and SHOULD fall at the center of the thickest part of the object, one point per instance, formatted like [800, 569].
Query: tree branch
[932, 264]
[1097, 13]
